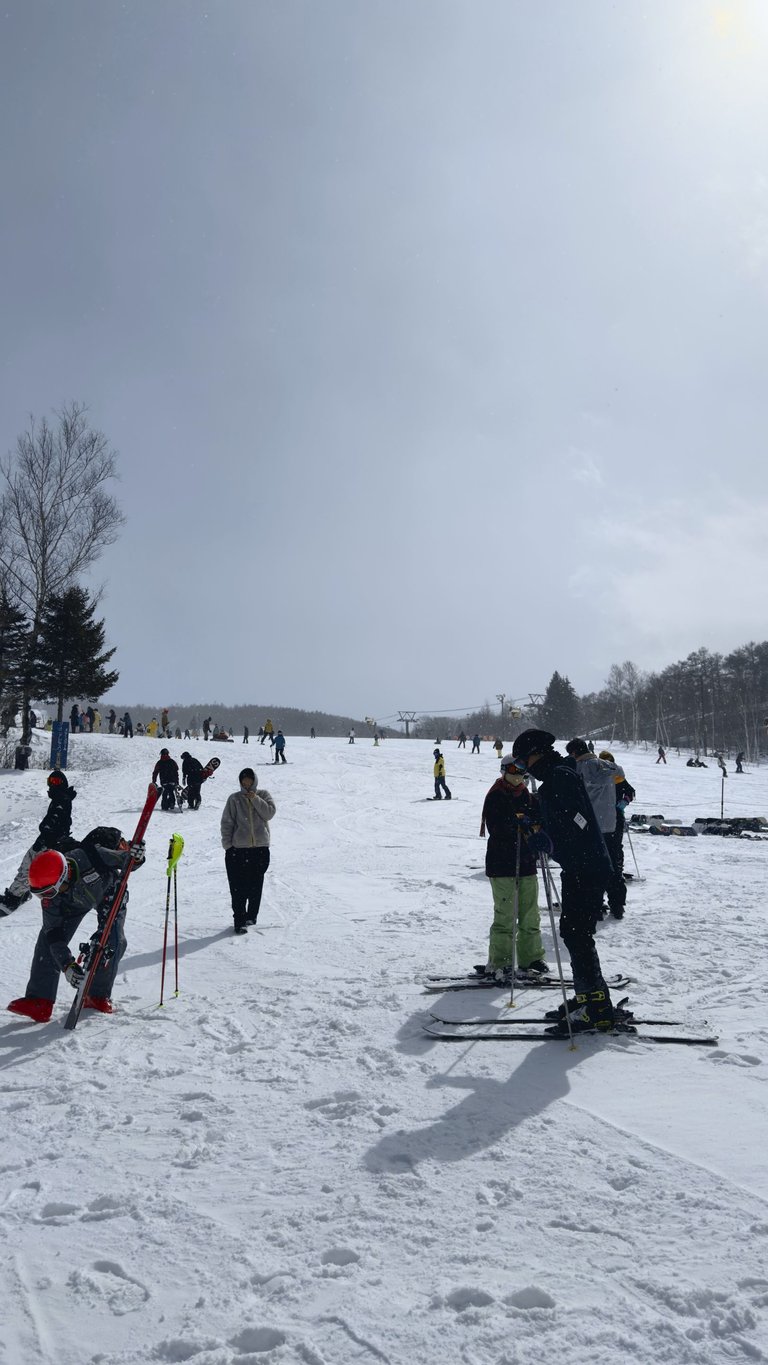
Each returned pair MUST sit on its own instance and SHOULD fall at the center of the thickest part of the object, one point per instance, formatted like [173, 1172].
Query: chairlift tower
[407, 718]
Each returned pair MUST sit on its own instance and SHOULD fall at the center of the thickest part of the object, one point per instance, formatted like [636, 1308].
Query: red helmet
[48, 872]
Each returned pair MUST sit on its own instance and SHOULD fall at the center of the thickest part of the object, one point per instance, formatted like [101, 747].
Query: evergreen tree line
[707, 702]
[63, 657]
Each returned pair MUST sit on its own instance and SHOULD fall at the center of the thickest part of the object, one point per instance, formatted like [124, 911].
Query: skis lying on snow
[439, 984]
[541, 1033]
[513, 1020]
[96, 949]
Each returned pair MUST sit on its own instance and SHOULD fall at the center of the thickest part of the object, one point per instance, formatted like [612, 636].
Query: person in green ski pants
[509, 812]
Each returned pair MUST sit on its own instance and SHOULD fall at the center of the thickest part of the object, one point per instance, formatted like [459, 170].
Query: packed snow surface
[279, 1167]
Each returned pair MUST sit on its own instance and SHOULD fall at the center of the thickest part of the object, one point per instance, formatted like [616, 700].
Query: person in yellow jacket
[439, 774]
[269, 731]
[152, 728]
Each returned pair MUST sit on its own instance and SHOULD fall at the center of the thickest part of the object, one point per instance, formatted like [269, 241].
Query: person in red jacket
[509, 812]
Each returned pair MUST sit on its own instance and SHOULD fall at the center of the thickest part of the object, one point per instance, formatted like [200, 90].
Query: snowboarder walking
[245, 734]
[245, 839]
[439, 775]
[509, 811]
[166, 772]
[462, 744]
[740, 761]
[69, 886]
[191, 773]
[662, 758]
[475, 744]
[269, 731]
[351, 736]
[578, 846]
[127, 726]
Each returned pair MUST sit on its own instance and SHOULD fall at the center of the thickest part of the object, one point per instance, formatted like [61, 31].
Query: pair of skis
[97, 949]
[531, 981]
[539, 1030]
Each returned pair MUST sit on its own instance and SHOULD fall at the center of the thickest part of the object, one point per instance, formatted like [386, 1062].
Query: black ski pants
[582, 902]
[168, 797]
[617, 888]
[245, 874]
[51, 955]
[193, 794]
[475, 748]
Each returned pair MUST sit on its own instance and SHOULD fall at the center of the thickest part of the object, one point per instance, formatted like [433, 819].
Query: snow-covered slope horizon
[280, 1167]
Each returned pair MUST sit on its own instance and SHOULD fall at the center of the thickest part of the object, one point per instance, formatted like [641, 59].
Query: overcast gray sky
[432, 334]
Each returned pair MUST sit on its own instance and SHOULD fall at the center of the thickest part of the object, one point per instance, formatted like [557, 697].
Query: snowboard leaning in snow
[96, 949]
[437, 984]
[464, 1033]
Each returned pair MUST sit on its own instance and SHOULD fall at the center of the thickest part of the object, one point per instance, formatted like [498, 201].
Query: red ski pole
[176, 929]
[165, 940]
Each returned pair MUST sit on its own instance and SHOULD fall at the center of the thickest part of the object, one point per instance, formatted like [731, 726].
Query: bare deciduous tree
[55, 513]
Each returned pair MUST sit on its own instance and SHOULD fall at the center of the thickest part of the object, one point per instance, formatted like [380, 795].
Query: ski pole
[176, 930]
[175, 850]
[549, 888]
[165, 939]
[515, 913]
[634, 859]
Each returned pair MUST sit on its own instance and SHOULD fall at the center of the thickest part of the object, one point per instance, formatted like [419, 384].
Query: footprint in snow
[340, 1256]
[257, 1340]
[106, 1281]
[733, 1058]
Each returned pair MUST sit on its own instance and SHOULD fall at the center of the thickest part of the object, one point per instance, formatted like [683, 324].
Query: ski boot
[593, 1014]
[98, 1002]
[32, 1007]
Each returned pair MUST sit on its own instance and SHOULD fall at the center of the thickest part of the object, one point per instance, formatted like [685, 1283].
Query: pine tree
[14, 632]
[71, 659]
[561, 709]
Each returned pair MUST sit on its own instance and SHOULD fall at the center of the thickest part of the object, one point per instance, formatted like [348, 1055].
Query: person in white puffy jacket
[245, 840]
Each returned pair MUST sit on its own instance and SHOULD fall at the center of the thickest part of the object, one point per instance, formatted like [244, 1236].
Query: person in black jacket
[191, 772]
[54, 832]
[166, 772]
[578, 846]
[509, 811]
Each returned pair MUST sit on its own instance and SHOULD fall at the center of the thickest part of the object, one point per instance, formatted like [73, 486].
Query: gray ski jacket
[600, 778]
[245, 819]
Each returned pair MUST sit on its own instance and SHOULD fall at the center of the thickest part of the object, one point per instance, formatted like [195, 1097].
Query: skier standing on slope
[69, 886]
[280, 747]
[475, 744]
[579, 848]
[245, 840]
[54, 833]
[191, 772]
[509, 811]
[439, 776]
[625, 793]
[166, 772]
[600, 779]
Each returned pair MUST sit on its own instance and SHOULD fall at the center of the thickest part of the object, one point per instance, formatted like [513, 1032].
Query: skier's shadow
[490, 1110]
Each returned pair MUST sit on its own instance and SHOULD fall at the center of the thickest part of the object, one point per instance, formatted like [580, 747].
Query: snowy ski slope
[280, 1169]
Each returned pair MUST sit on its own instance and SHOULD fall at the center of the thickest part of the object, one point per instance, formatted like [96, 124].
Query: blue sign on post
[59, 743]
